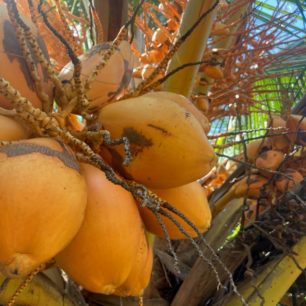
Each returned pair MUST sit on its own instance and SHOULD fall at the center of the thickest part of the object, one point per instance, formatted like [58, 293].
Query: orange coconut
[147, 70]
[10, 129]
[159, 36]
[140, 274]
[297, 128]
[278, 142]
[165, 138]
[220, 28]
[153, 56]
[110, 80]
[287, 181]
[214, 72]
[269, 160]
[249, 187]
[13, 66]
[172, 25]
[255, 148]
[42, 199]
[190, 200]
[101, 256]
[184, 102]
[202, 103]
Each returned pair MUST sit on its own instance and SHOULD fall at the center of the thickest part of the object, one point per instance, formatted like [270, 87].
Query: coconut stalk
[193, 48]
[236, 18]
[40, 292]
[273, 282]
[201, 283]
[224, 223]
[226, 43]
[222, 226]
[201, 276]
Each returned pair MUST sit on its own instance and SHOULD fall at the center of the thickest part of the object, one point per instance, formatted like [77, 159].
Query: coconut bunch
[58, 205]
[48, 196]
[43, 186]
[158, 41]
[276, 164]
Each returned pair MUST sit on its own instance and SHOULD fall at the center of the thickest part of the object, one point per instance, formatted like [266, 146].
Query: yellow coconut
[167, 142]
[101, 256]
[13, 66]
[42, 202]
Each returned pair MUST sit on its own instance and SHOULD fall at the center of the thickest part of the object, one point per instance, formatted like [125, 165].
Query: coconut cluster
[55, 207]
